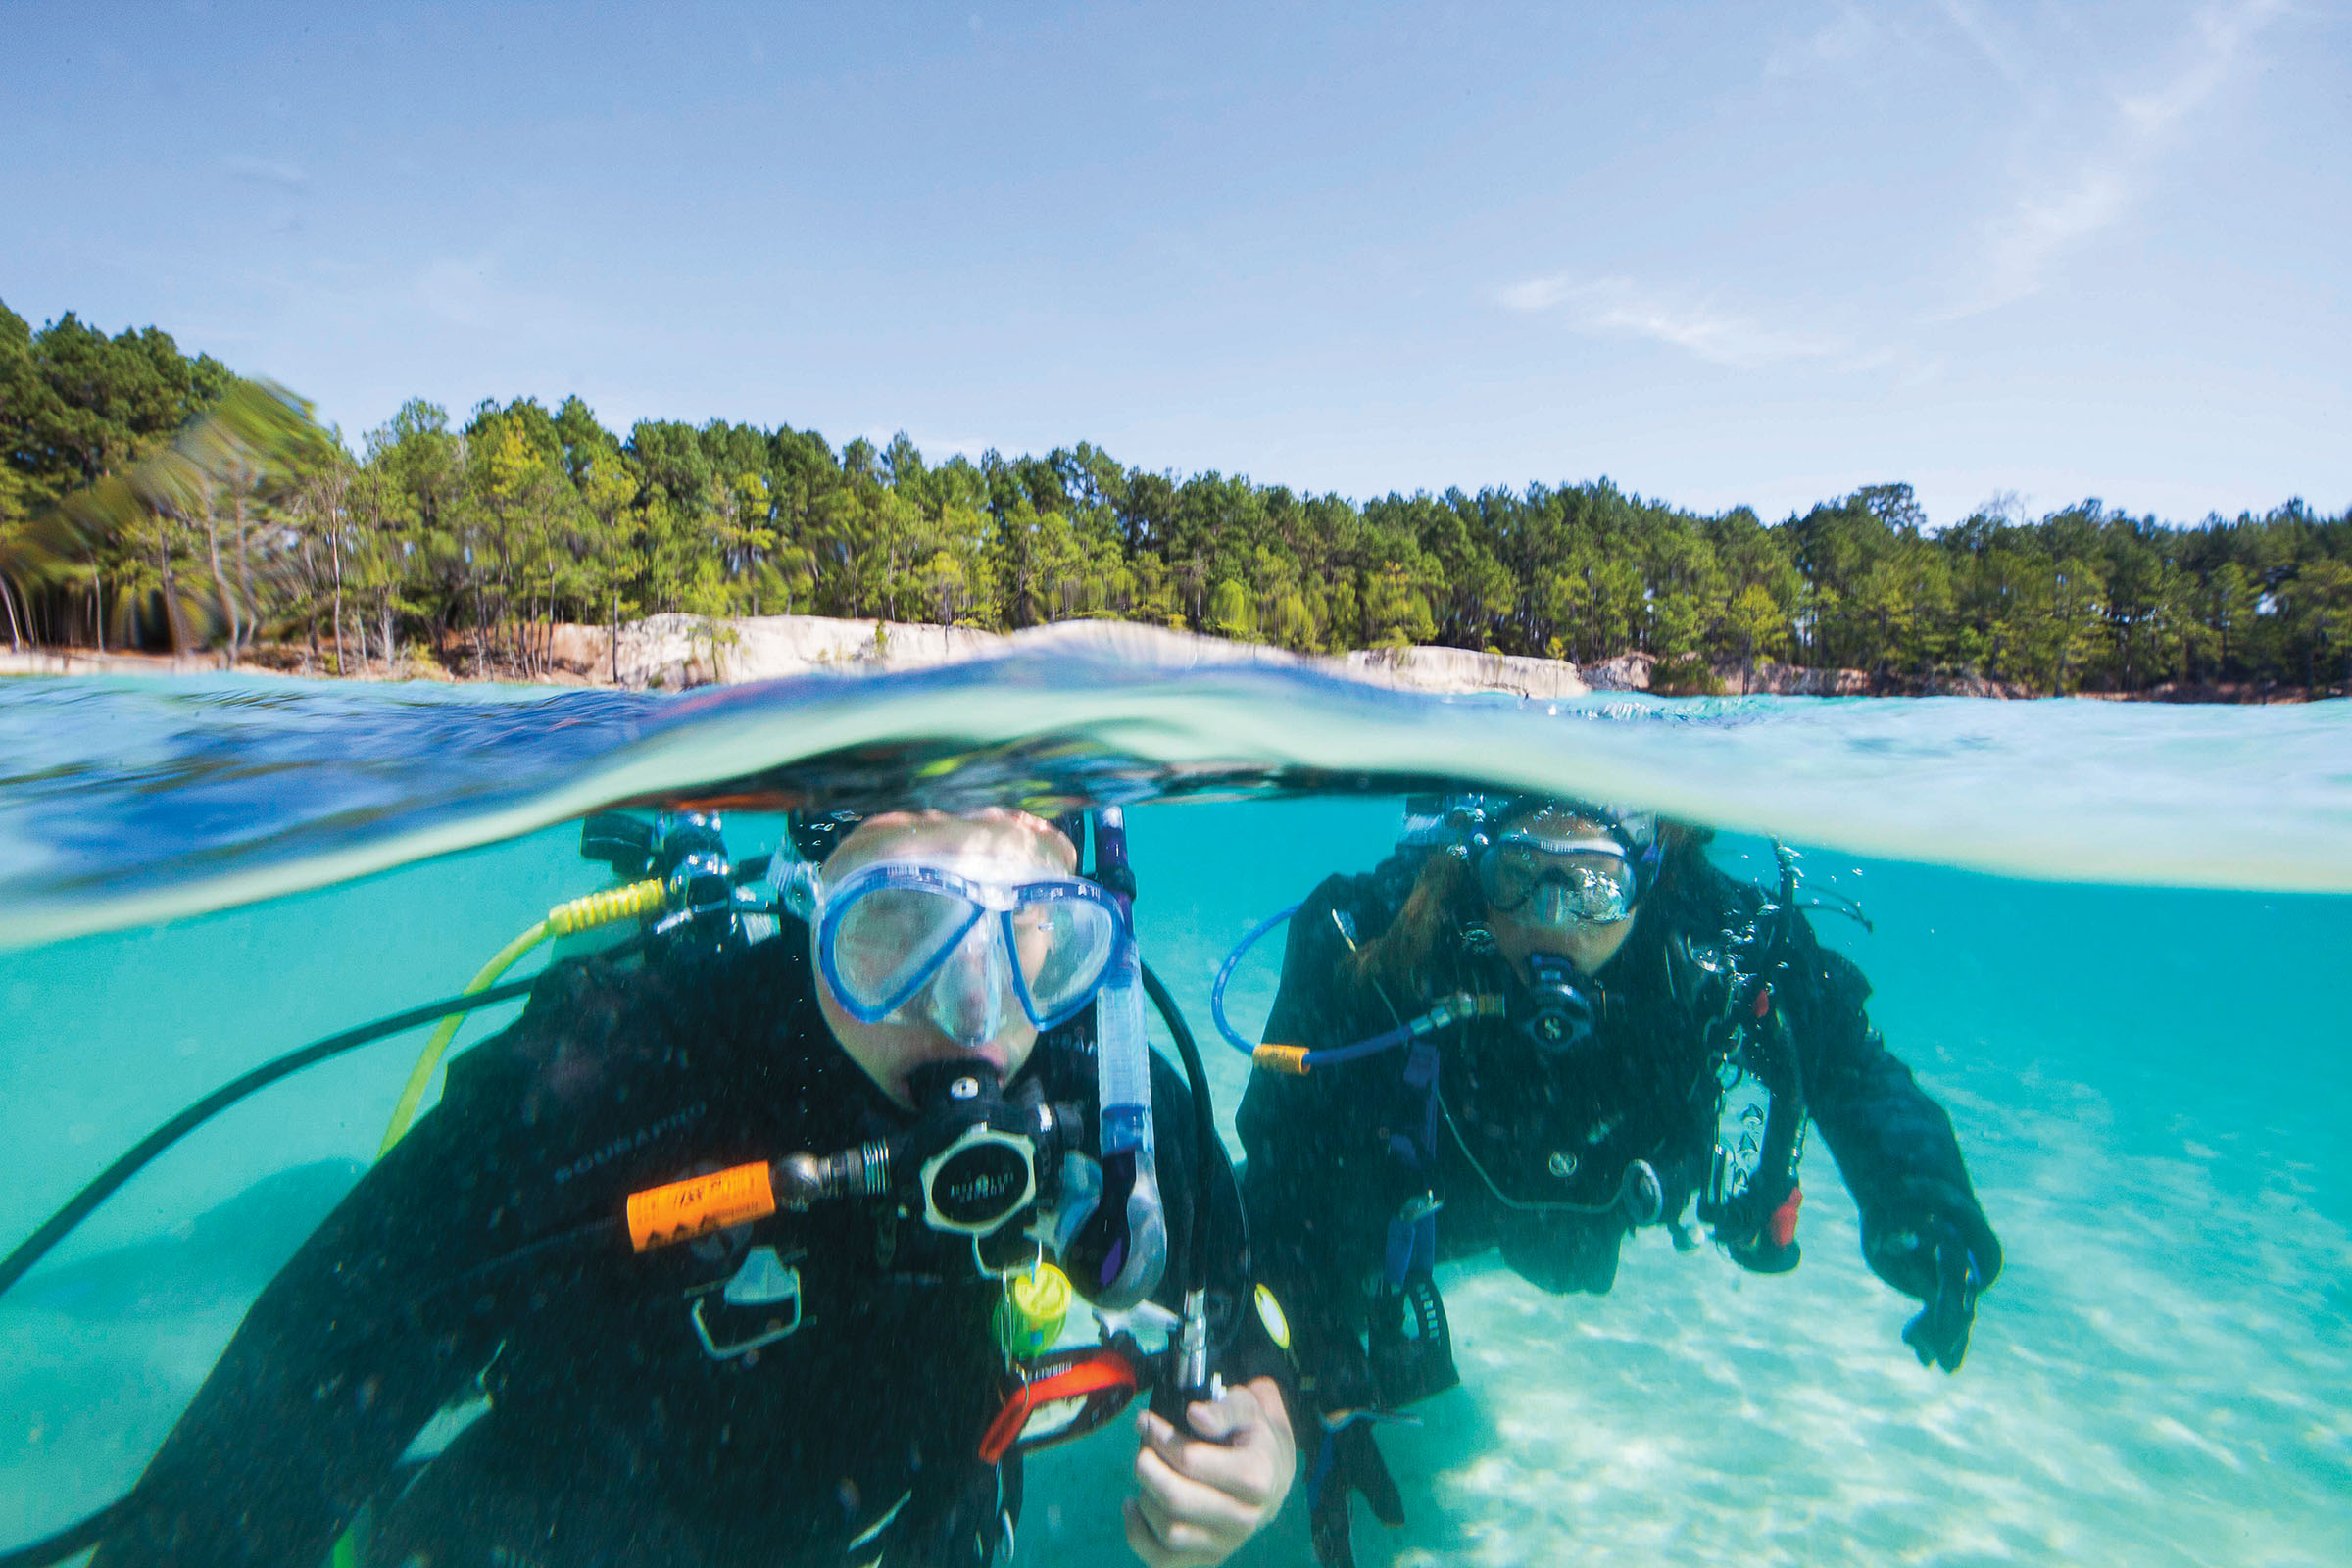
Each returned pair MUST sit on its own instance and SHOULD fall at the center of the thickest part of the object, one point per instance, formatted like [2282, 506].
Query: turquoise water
[2148, 1080]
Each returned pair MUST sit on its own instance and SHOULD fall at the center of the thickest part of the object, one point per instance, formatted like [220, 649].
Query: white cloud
[1616, 307]
[2082, 196]
[2222, 33]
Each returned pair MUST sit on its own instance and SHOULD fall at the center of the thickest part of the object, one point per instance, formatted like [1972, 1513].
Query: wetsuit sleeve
[346, 1355]
[1894, 1145]
[1316, 1221]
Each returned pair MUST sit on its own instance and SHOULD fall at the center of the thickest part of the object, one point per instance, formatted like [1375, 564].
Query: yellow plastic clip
[1035, 1306]
[1271, 1057]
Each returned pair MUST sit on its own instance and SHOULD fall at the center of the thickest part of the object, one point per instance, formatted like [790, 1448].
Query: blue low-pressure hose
[1329, 1058]
[1216, 991]
[1362, 1048]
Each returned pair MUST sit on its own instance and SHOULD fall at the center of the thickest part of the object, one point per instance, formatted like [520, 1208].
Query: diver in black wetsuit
[829, 1382]
[1518, 1033]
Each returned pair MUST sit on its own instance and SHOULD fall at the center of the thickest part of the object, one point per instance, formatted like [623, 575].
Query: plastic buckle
[764, 1280]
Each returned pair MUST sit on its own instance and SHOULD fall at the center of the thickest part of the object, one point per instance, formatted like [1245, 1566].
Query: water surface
[2108, 937]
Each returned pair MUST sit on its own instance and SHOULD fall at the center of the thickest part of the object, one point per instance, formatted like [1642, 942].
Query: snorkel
[1753, 1195]
[1123, 1075]
[1131, 1265]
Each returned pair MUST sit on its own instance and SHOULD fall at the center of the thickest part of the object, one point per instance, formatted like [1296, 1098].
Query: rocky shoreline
[675, 653]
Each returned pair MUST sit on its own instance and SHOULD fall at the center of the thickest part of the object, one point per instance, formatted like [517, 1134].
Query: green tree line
[154, 501]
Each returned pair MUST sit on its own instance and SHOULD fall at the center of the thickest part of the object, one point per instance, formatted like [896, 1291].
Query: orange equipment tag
[699, 1205]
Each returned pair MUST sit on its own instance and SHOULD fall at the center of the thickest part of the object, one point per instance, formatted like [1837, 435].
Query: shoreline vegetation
[158, 511]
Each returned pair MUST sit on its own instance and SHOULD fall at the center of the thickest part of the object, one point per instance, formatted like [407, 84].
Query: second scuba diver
[856, 1160]
[1519, 1033]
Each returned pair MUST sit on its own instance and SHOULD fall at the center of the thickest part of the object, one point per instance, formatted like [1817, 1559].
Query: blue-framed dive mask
[1558, 883]
[963, 944]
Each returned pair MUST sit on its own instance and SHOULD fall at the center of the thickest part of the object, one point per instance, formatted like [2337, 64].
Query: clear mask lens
[967, 998]
[1556, 887]
[1064, 946]
[908, 939]
[887, 939]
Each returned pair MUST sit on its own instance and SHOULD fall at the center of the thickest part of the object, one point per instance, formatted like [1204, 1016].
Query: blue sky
[1720, 253]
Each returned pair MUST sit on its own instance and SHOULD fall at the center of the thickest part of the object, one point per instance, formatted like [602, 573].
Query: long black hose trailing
[143, 1153]
[79, 1537]
[88, 1533]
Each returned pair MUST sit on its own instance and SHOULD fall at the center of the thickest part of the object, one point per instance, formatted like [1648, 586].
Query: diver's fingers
[1955, 1343]
[1917, 1336]
[1955, 1301]
[1178, 1501]
[1230, 1415]
[1165, 1544]
[1147, 1547]
[1237, 1451]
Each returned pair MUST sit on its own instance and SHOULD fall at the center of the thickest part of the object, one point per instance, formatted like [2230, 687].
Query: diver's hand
[1350, 1463]
[1198, 1498]
[1945, 1265]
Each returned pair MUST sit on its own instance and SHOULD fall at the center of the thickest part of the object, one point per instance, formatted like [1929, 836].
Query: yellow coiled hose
[577, 914]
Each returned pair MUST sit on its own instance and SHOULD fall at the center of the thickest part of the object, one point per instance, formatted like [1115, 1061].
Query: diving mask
[1558, 882]
[962, 944]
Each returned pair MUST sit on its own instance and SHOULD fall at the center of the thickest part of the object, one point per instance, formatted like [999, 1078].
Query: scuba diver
[755, 1251]
[1538, 1025]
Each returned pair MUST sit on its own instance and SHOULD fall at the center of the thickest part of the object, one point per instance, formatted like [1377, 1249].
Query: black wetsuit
[614, 1436]
[1336, 1157]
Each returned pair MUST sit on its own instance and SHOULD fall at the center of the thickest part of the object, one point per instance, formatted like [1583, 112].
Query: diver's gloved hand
[1939, 1334]
[1348, 1463]
[1936, 1247]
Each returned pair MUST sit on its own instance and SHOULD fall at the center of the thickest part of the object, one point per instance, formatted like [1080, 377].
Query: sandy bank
[672, 652]
[678, 651]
